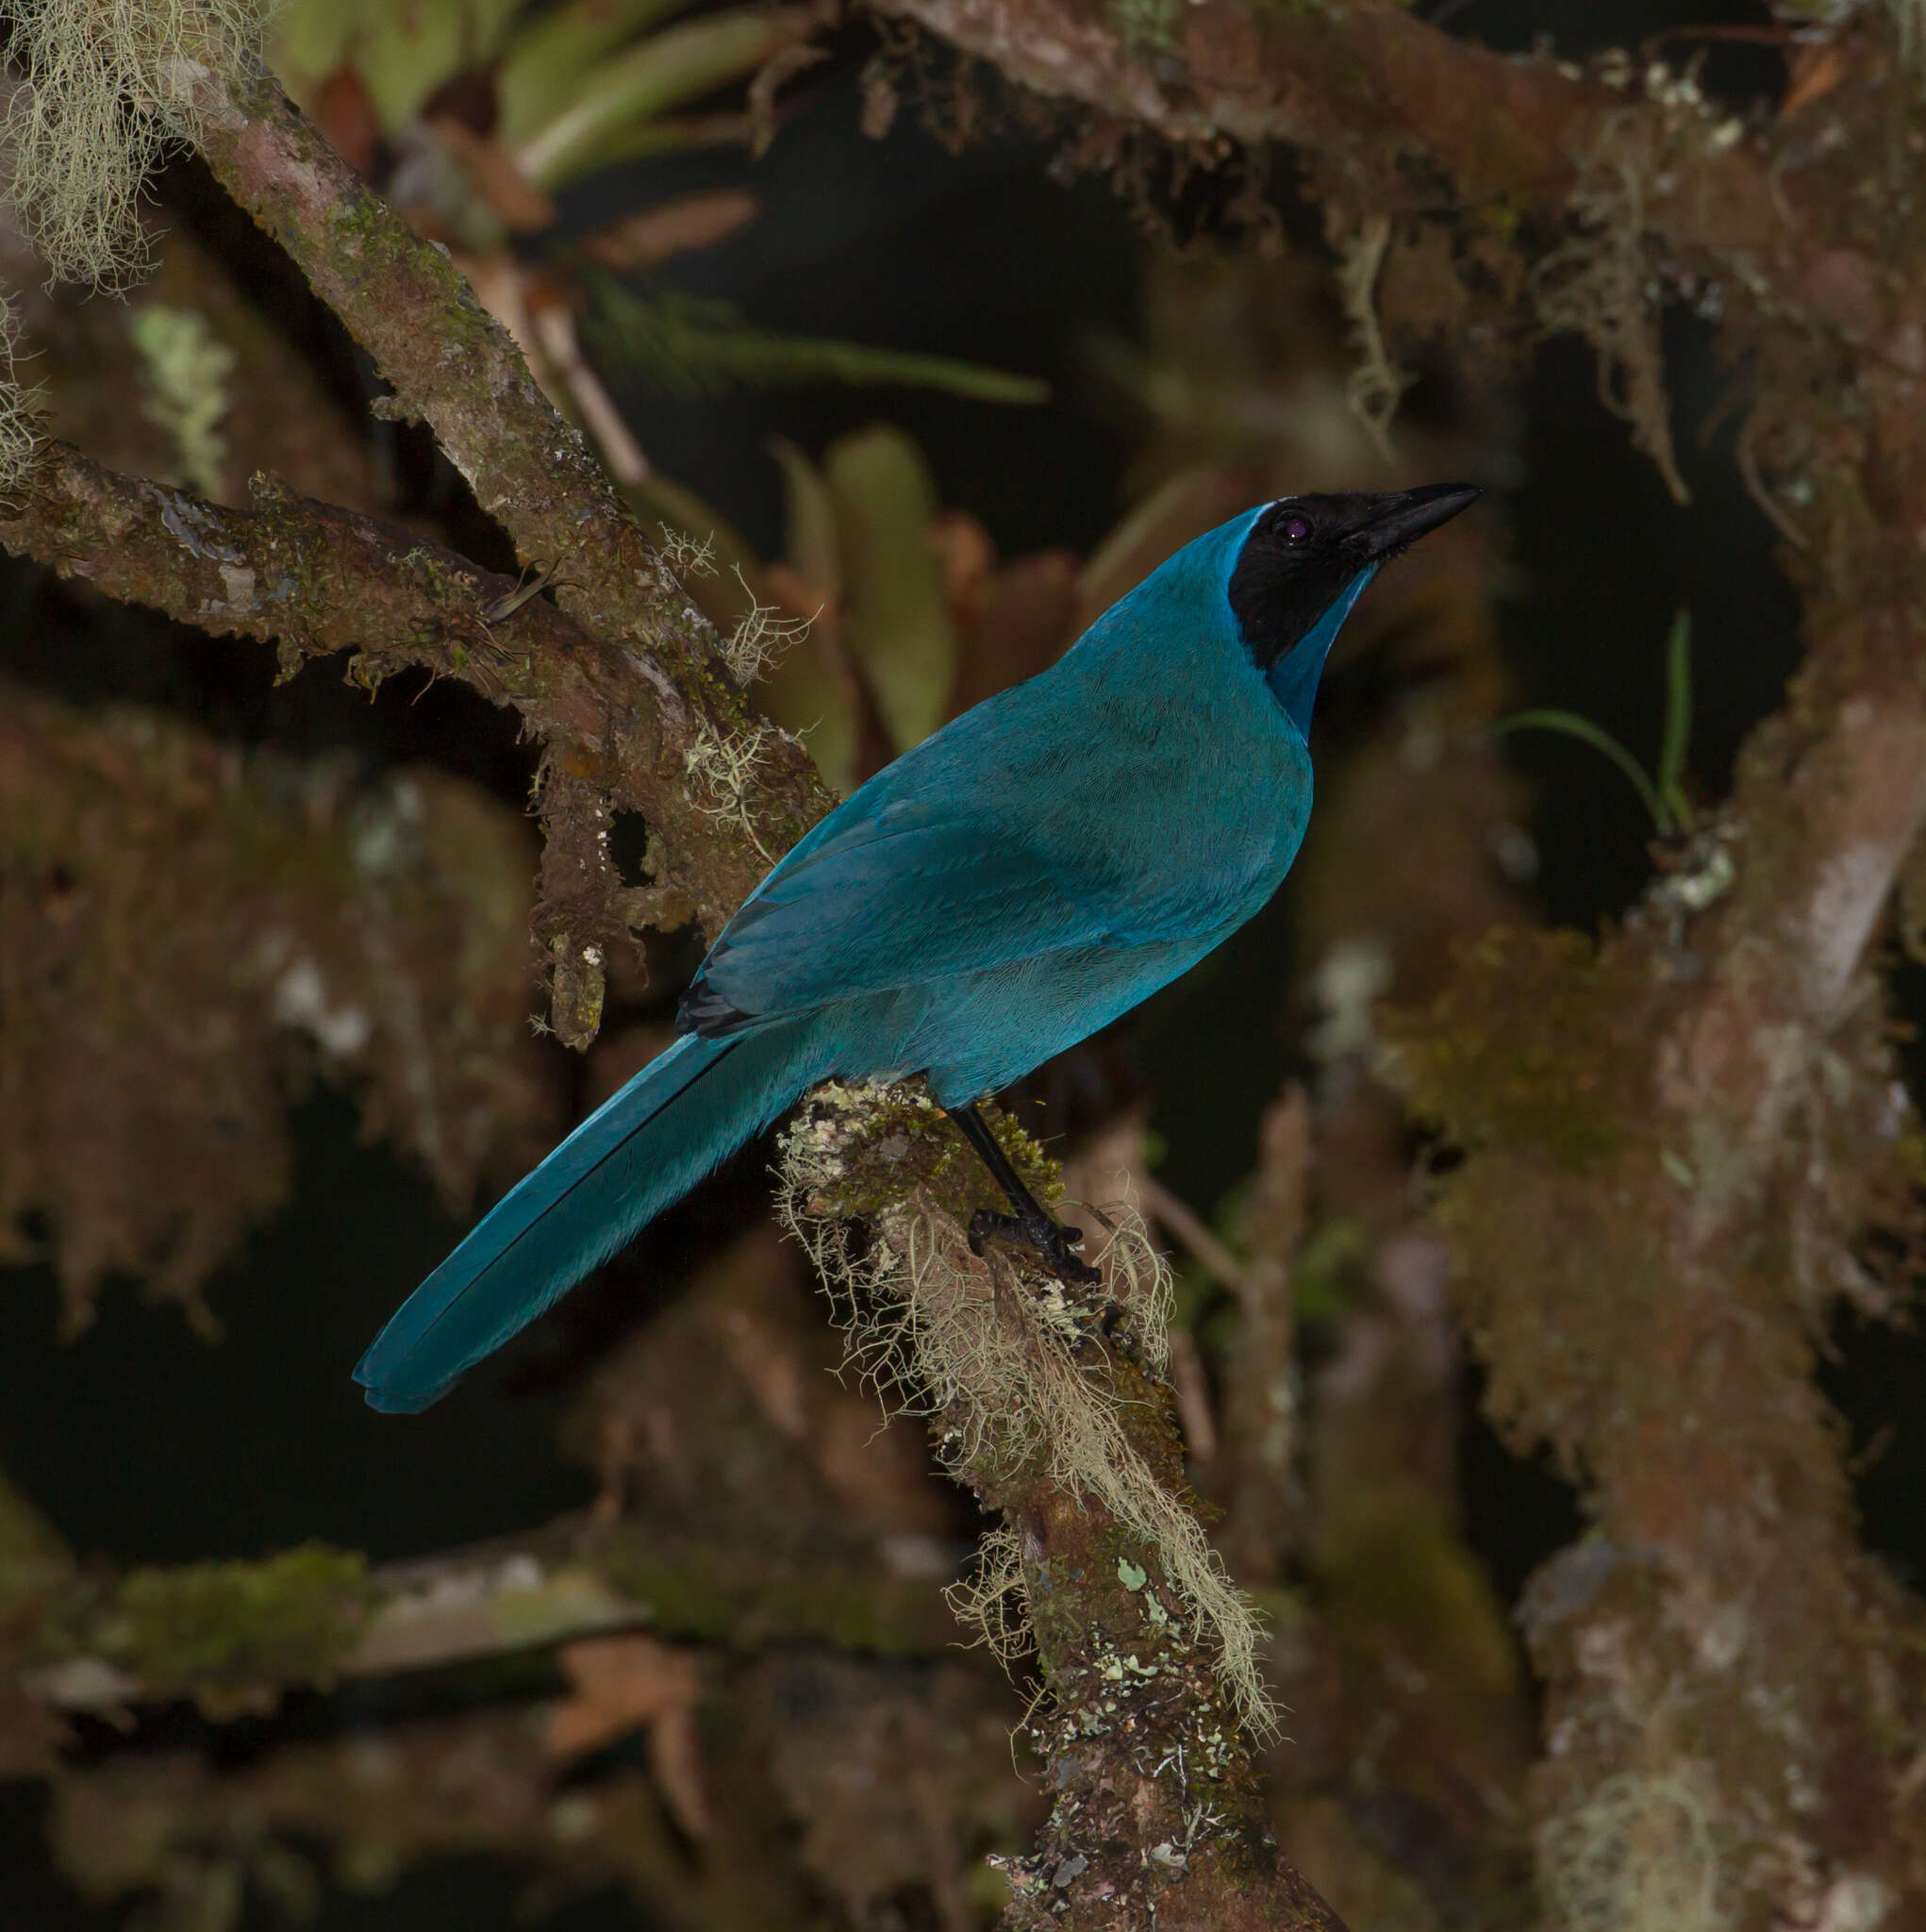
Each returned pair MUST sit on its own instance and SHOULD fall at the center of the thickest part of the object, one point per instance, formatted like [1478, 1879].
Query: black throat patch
[1297, 561]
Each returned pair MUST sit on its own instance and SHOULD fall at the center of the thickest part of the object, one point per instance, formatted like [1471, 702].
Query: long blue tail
[682, 1114]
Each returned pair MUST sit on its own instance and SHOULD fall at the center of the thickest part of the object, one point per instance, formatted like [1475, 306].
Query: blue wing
[972, 857]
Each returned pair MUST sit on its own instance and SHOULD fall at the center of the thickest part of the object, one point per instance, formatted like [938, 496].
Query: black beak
[1406, 515]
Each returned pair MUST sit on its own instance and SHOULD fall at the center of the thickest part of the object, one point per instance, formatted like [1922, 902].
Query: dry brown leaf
[670, 227]
[796, 596]
[342, 110]
[491, 168]
[1020, 620]
[968, 556]
[631, 1683]
[1816, 71]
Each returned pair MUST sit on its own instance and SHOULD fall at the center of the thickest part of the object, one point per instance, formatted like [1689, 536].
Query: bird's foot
[1053, 1243]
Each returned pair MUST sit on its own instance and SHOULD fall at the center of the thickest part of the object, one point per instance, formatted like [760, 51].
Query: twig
[1744, 457]
[554, 328]
[1189, 1228]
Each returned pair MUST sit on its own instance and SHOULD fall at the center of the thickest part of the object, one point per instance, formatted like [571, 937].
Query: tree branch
[1361, 82]
[1380, 103]
[452, 364]
[318, 579]
[236, 1636]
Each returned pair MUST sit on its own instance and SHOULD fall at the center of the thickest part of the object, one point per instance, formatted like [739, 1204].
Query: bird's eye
[1295, 528]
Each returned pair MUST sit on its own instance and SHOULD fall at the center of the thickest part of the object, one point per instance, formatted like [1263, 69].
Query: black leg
[1032, 1224]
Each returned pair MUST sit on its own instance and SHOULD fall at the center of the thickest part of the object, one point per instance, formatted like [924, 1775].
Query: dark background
[141, 1443]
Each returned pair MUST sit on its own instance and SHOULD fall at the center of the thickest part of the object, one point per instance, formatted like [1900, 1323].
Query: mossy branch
[234, 1637]
[453, 366]
[626, 690]
[1682, 1148]
[1051, 1404]
[106, 88]
[317, 580]
[1353, 87]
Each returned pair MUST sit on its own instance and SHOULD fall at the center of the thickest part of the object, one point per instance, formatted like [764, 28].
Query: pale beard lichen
[761, 638]
[186, 371]
[1638, 1855]
[18, 428]
[1005, 1366]
[686, 557]
[108, 84]
[1376, 383]
[994, 1599]
[1600, 283]
[721, 770]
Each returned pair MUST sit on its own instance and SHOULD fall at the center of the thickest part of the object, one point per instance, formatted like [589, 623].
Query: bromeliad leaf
[689, 346]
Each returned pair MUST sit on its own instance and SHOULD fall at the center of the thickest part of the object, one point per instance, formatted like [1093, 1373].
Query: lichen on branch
[108, 86]
[1015, 1379]
[1050, 1403]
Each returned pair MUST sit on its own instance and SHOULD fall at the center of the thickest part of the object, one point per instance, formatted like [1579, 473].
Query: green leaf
[548, 60]
[1678, 721]
[811, 693]
[681, 63]
[897, 624]
[689, 348]
[814, 690]
[809, 519]
[402, 54]
[1664, 796]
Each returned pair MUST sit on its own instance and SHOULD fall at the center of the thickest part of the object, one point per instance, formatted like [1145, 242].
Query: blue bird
[1015, 882]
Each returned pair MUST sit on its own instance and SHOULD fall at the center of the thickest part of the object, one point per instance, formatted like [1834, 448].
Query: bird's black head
[1305, 553]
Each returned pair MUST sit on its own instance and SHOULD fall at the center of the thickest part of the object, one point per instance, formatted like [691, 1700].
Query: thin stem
[1587, 733]
[1678, 720]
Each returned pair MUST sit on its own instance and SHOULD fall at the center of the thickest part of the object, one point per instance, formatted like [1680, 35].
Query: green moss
[1393, 1570]
[34, 1562]
[695, 1590]
[890, 1144]
[213, 1626]
[23, 1536]
[1535, 1044]
[578, 986]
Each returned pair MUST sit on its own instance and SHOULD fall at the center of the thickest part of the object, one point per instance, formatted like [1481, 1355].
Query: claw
[1031, 1227]
[1053, 1243]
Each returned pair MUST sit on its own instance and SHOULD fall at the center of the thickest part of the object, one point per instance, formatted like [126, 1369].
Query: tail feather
[678, 1118]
